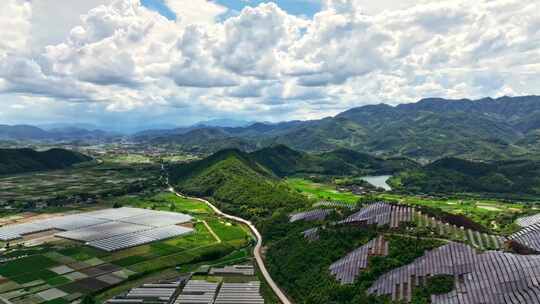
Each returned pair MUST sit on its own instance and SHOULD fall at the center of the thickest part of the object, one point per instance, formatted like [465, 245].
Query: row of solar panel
[139, 238]
[130, 219]
[202, 292]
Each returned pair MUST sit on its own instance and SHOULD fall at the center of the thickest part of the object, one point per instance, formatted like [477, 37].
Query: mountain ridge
[430, 129]
[33, 133]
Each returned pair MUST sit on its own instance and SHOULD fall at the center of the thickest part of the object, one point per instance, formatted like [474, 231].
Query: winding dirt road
[256, 252]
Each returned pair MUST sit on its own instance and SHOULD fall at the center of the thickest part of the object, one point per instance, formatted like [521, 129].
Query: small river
[378, 181]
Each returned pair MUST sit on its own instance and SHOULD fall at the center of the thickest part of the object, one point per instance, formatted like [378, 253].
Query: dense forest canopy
[14, 161]
[453, 175]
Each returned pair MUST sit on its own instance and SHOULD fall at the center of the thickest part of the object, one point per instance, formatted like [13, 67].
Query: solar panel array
[194, 292]
[157, 218]
[71, 222]
[247, 270]
[334, 204]
[478, 239]
[139, 238]
[108, 229]
[117, 213]
[312, 215]
[381, 214]
[198, 292]
[157, 293]
[162, 294]
[528, 237]
[347, 269]
[13, 232]
[240, 293]
[101, 231]
[528, 220]
[68, 222]
[120, 242]
[493, 277]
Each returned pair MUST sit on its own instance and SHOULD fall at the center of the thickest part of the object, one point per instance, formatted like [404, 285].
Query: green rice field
[319, 191]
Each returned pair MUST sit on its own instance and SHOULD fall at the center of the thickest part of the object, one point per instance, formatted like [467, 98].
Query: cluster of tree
[284, 161]
[14, 161]
[237, 183]
[452, 175]
[435, 285]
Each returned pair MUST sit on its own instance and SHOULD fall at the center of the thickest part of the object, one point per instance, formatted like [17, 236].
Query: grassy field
[227, 231]
[318, 191]
[165, 201]
[128, 159]
[179, 158]
[140, 158]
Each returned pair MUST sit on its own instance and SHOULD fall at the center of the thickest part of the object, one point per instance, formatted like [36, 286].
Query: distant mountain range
[84, 132]
[13, 161]
[502, 128]
[485, 129]
[223, 122]
[32, 133]
[59, 126]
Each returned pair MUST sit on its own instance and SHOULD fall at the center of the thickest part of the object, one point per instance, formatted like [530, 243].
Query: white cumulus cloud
[267, 63]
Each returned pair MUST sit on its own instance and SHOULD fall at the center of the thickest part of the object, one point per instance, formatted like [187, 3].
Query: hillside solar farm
[396, 253]
[491, 277]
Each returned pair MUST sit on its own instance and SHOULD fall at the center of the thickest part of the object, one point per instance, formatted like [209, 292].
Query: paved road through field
[256, 251]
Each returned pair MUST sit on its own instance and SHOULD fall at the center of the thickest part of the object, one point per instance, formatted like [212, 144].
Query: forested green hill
[452, 175]
[284, 161]
[14, 161]
[239, 184]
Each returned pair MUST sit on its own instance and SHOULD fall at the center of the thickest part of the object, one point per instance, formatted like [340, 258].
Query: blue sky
[161, 7]
[294, 7]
